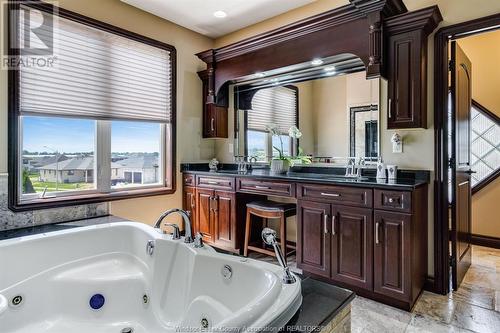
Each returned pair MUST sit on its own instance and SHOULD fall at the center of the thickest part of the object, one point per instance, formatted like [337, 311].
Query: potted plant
[282, 163]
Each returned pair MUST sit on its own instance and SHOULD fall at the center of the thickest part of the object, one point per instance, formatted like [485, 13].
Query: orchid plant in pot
[282, 162]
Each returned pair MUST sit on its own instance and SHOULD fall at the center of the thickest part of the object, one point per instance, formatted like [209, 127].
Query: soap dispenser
[381, 169]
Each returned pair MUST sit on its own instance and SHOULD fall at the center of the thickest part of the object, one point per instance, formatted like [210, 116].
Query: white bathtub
[56, 274]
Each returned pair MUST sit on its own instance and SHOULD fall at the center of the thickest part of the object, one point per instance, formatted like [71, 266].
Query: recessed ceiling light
[316, 62]
[260, 74]
[220, 14]
[330, 68]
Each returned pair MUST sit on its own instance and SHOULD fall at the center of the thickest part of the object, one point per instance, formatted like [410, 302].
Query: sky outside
[68, 135]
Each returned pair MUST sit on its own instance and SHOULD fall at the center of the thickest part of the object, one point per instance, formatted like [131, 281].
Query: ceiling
[198, 15]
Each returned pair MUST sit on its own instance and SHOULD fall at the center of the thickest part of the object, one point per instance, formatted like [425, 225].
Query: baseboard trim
[487, 241]
[430, 284]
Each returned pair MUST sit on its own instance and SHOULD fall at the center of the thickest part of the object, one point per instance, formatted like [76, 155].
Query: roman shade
[97, 74]
[273, 106]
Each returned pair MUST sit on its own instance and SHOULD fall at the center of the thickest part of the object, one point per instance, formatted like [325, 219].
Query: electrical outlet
[230, 148]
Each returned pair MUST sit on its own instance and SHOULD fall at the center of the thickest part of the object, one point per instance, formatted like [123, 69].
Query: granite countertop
[40, 229]
[316, 177]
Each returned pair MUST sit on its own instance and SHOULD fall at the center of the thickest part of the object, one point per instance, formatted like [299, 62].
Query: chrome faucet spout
[188, 238]
[269, 237]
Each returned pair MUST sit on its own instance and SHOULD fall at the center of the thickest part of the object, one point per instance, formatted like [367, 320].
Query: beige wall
[190, 145]
[485, 212]
[484, 52]
[419, 143]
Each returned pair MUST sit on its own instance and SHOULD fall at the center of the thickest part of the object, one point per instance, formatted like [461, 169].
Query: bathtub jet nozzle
[269, 237]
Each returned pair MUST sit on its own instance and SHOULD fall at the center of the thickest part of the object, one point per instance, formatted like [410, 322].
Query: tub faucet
[188, 238]
[269, 237]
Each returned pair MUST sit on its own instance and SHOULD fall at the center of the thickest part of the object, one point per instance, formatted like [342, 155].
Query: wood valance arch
[355, 28]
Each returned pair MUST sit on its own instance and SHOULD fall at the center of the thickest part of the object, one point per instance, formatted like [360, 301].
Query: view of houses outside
[58, 155]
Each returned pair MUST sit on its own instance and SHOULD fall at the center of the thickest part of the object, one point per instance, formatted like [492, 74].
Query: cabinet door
[189, 204]
[215, 118]
[225, 219]
[205, 220]
[209, 121]
[352, 246]
[406, 72]
[313, 237]
[392, 255]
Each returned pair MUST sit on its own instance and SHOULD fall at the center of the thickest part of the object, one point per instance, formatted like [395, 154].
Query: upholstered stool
[268, 210]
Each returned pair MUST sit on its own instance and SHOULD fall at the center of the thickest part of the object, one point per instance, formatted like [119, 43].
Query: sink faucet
[353, 170]
[269, 237]
[188, 238]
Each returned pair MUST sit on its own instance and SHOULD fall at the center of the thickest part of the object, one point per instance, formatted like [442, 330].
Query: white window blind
[277, 105]
[99, 75]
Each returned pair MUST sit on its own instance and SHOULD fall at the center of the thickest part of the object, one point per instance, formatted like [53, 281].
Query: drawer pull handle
[262, 187]
[333, 224]
[330, 194]
[390, 109]
[211, 182]
[376, 233]
[325, 224]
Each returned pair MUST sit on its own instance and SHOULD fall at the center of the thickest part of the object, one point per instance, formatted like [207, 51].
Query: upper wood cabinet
[214, 118]
[406, 67]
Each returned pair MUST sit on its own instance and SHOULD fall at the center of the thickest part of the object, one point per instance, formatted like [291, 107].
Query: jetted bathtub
[127, 277]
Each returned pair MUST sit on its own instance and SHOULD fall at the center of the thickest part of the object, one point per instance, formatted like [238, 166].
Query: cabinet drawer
[265, 187]
[218, 183]
[188, 179]
[352, 196]
[393, 200]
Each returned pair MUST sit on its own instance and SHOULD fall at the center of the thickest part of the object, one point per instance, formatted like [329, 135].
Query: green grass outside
[51, 186]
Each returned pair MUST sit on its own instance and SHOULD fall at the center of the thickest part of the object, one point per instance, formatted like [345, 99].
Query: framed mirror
[336, 112]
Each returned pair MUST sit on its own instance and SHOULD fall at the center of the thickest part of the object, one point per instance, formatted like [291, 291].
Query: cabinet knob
[391, 200]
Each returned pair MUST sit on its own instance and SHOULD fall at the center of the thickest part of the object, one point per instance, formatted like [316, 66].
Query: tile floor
[475, 307]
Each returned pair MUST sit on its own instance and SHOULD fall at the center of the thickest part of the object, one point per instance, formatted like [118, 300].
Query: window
[135, 154]
[100, 120]
[277, 106]
[257, 145]
[485, 144]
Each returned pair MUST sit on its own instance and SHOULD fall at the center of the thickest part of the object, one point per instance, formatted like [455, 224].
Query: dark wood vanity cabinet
[216, 217]
[376, 245]
[313, 237]
[352, 246]
[189, 201]
[392, 261]
[406, 66]
[215, 118]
